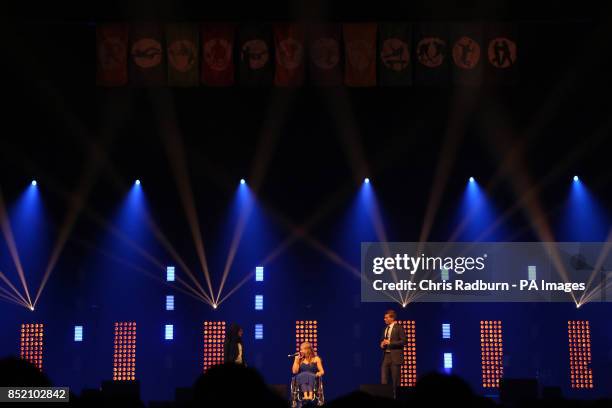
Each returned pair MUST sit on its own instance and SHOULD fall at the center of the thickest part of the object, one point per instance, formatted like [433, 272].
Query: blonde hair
[311, 354]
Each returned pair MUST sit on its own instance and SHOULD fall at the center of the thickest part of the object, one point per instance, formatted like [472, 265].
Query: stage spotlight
[170, 302]
[170, 274]
[34, 183]
[448, 362]
[214, 306]
[31, 343]
[259, 302]
[242, 181]
[137, 182]
[446, 330]
[214, 338]
[78, 333]
[366, 180]
[583, 217]
[124, 351]
[259, 274]
[259, 331]
[31, 308]
[169, 332]
[492, 353]
[532, 272]
[408, 371]
[306, 330]
[580, 358]
[475, 217]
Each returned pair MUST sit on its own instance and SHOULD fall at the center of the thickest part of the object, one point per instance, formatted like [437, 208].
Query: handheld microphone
[293, 355]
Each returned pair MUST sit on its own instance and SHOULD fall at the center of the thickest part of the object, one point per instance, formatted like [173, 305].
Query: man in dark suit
[392, 342]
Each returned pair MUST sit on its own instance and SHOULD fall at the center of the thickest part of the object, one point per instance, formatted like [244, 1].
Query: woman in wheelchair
[306, 385]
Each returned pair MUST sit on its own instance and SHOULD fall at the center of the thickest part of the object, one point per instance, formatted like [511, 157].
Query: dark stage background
[312, 148]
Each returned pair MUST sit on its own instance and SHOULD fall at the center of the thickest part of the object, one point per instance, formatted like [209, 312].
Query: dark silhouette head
[234, 333]
[230, 385]
[456, 391]
[17, 372]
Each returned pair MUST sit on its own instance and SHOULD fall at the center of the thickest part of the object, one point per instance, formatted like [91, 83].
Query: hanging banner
[360, 49]
[217, 54]
[325, 54]
[394, 54]
[467, 54]
[431, 54]
[353, 54]
[501, 54]
[147, 58]
[182, 50]
[255, 50]
[111, 54]
[289, 47]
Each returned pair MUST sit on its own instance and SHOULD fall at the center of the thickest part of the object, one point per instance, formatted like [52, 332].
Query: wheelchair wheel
[320, 393]
[294, 394]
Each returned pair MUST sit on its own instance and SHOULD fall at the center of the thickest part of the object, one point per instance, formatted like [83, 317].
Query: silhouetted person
[361, 399]
[233, 385]
[443, 390]
[15, 372]
[233, 346]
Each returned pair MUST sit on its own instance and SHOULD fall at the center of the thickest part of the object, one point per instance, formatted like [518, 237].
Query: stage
[168, 172]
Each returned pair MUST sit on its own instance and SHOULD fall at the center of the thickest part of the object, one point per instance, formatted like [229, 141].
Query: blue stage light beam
[583, 218]
[362, 223]
[368, 202]
[475, 215]
[129, 243]
[357, 226]
[473, 220]
[247, 234]
[244, 202]
[131, 218]
[368, 209]
[30, 222]
[26, 234]
[128, 239]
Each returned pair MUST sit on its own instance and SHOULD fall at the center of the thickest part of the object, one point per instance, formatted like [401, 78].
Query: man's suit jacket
[396, 345]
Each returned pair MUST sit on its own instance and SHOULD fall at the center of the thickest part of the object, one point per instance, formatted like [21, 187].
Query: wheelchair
[314, 398]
